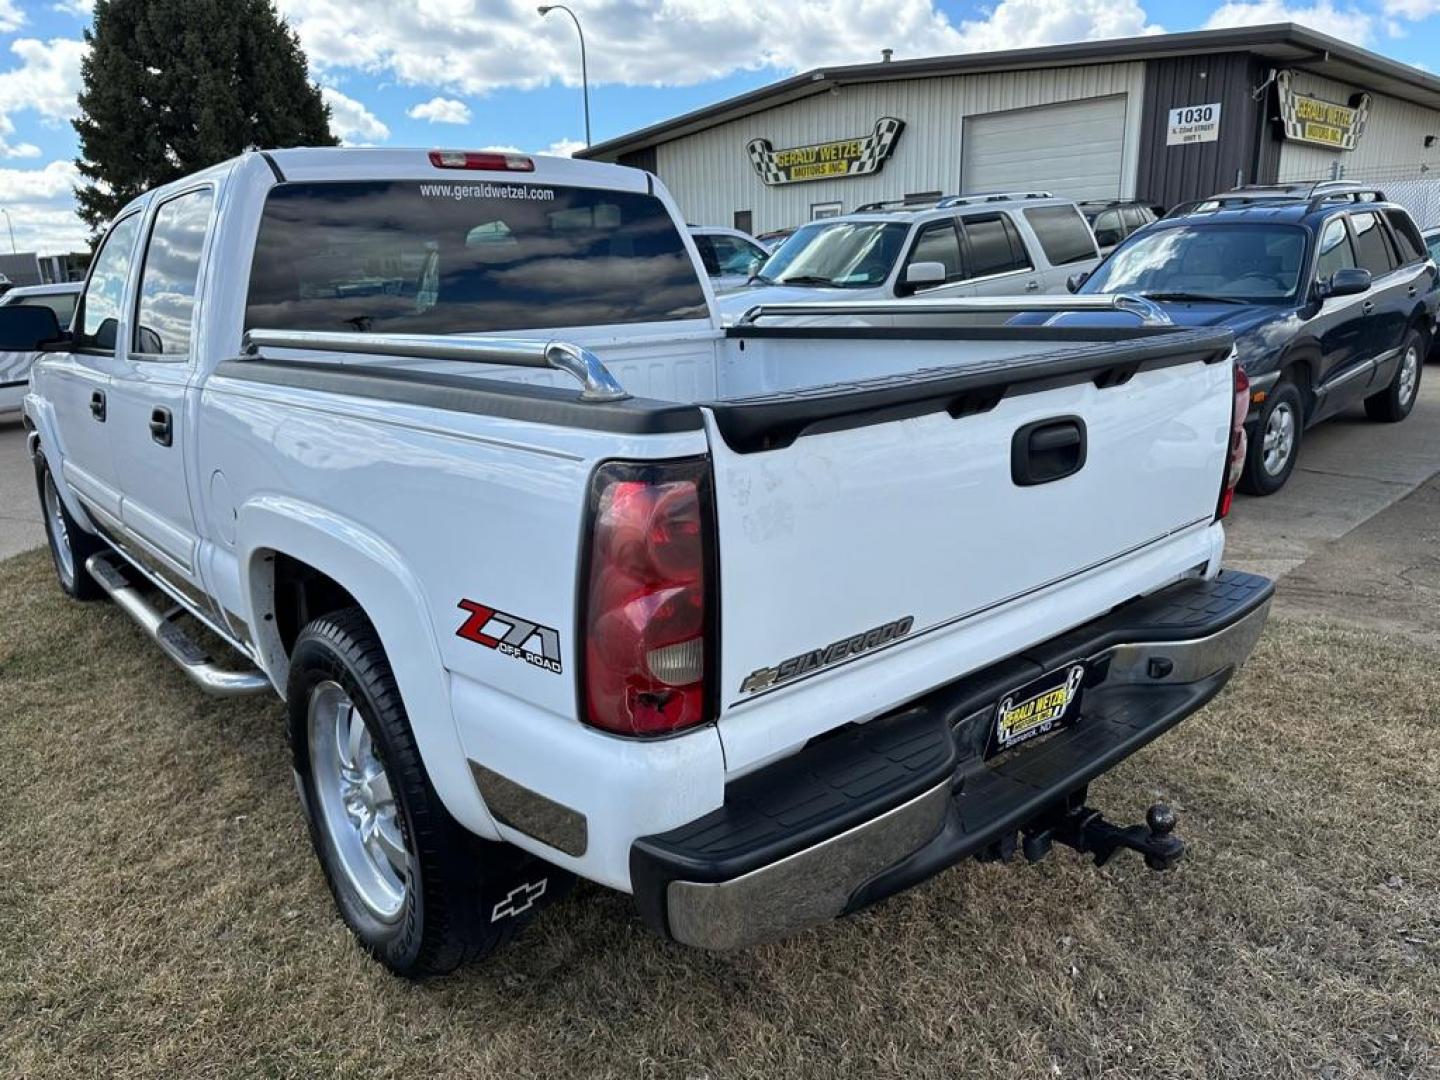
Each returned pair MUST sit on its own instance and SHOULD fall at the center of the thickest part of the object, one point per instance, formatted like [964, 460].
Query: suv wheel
[1276, 445]
[1394, 403]
[422, 893]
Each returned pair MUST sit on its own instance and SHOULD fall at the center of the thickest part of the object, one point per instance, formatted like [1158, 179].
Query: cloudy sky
[473, 73]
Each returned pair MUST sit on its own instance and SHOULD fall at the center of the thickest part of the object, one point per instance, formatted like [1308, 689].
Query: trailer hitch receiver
[1087, 831]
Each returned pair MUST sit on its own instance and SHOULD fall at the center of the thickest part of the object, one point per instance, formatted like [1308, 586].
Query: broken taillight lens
[648, 615]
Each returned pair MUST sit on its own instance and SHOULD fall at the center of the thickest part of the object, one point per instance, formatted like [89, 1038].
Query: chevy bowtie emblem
[519, 900]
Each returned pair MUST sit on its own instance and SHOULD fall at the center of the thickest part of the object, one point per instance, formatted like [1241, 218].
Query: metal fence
[1415, 187]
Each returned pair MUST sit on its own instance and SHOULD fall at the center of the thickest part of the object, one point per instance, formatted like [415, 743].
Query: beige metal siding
[1392, 145]
[710, 174]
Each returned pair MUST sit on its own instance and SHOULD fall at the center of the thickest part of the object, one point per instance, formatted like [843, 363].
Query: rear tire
[419, 891]
[69, 544]
[1394, 403]
[1275, 448]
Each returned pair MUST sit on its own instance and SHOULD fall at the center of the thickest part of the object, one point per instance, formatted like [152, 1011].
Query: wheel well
[303, 593]
[1299, 372]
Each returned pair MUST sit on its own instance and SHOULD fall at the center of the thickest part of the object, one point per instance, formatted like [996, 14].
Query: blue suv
[1328, 287]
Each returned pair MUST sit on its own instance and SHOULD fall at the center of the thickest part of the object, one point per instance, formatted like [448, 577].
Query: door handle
[1368, 307]
[1048, 450]
[1032, 286]
[162, 429]
[97, 405]
[1410, 290]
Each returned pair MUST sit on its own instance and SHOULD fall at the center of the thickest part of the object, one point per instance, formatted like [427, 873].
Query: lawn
[164, 915]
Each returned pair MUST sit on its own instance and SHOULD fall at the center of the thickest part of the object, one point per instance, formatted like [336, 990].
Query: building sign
[825, 161]
[1324, 123]
[1193, 124]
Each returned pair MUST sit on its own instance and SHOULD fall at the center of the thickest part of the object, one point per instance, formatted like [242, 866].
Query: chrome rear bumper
[967, 803]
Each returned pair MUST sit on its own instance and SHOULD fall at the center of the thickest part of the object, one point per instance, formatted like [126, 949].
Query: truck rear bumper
[875, 808]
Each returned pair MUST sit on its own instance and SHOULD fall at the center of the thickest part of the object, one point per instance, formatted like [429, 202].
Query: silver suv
[992, 244]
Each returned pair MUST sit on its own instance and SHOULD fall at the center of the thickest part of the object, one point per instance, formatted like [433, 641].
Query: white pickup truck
[557, 576]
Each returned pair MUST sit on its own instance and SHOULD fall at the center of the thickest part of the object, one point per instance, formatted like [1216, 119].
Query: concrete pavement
[1350, 469]
[20, 526]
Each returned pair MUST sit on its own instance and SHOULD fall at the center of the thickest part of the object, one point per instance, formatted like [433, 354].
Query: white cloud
[1348, 24]
[441, 110]
[352, 122]
[1414, 10]
[41, 205]
[11, 17]
[563, 148]
[449, 44]
[46, 81]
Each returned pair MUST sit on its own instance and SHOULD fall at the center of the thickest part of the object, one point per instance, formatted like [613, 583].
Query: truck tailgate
[861, 525]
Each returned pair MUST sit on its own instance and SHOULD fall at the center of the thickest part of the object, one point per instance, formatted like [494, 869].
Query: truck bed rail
[584, 366]
[1147, 311]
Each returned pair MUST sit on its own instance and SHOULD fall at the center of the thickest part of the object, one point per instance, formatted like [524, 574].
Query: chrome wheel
[1279, 439]
[1409, 376]
[59, 534]
[357, 805]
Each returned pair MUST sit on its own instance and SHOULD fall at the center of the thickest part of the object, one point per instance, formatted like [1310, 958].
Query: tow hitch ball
[1089, 833]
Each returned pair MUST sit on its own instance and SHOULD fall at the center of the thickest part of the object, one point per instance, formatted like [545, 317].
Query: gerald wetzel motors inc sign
[823, 161]
[1324, 123]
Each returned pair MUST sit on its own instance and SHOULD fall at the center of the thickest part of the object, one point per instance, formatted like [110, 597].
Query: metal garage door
[1074, 149]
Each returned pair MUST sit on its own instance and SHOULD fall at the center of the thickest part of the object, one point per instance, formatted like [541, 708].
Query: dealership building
[1165, 119]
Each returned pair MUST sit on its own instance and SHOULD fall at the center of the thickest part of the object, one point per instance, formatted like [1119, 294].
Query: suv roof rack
[989, 197]
[1314, 193]
[946, 201]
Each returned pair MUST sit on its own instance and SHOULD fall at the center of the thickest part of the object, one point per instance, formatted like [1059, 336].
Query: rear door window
[706, 250]
[466, 257]
[166, 309]
[1063, 234]
[938, 242]
[1407, 236]
[62, 304]
[1372, 246]
[993, 246]
[1335, 250]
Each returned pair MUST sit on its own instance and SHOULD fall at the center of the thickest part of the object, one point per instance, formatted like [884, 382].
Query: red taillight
[1239, 408]
[468, 159]
[647, 615]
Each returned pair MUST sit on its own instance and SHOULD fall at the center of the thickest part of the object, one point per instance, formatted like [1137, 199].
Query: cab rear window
[446, 258]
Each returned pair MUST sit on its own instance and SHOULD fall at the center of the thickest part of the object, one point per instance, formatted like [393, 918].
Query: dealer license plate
[1039, 707]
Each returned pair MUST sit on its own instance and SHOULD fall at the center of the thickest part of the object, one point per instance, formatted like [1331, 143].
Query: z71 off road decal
[511, 636]
[805, 663]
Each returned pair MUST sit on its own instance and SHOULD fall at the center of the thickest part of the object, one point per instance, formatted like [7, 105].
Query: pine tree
[171, 86]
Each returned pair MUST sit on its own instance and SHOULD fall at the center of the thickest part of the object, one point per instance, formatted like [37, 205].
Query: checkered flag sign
[842, 157]
[1308, 119]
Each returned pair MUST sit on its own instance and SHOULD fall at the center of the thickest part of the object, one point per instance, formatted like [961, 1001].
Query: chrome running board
[173, 641]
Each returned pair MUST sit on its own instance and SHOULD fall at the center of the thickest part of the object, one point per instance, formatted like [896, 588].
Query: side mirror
[753, 266]
[920, 274]
[1075, 280]
[27, 328]
[1347, 281]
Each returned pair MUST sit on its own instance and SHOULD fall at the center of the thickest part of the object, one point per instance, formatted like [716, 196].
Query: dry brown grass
[163, 916]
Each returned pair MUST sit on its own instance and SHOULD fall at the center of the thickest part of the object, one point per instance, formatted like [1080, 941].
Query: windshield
[1239, 263]
[845, 254]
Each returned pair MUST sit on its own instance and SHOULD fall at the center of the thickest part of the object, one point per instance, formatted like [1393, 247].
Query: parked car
[544, 562]
[775, 237]
[15, 363]
[999, 244]
[1329, 290]
[728, 255]
[1112, 220]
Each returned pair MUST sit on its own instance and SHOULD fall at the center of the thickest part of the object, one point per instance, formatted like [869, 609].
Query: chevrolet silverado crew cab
[996, 244]
[556, 576]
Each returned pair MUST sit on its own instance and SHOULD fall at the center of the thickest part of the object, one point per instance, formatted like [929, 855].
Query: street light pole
[545, 9]
[11, 226]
